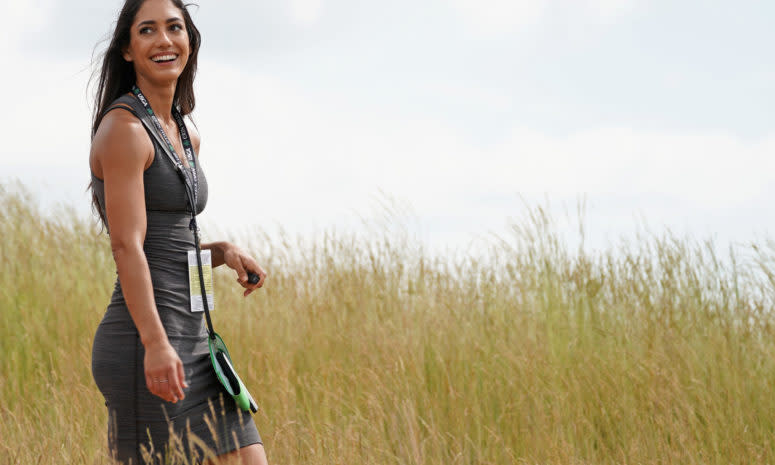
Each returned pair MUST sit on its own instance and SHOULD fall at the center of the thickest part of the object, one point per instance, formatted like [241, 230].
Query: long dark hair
[117, 76]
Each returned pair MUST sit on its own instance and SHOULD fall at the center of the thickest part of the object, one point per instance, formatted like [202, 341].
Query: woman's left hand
[238, 260]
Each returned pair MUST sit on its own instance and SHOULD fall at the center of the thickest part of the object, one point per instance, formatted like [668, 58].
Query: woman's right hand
[164, 371]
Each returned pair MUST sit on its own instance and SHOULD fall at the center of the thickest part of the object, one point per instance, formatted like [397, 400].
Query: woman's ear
[125, 53]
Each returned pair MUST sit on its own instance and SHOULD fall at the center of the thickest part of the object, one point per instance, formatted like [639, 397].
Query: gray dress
[140, 423]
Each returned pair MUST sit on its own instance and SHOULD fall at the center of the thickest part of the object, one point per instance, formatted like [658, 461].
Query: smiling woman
[150, 357]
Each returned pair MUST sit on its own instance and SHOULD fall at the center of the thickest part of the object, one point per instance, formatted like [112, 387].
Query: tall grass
[366, 349]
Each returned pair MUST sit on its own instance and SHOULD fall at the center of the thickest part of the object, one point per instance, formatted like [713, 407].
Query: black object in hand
[253, 278]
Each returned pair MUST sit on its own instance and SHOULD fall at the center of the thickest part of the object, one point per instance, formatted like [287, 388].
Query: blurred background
[313, 113]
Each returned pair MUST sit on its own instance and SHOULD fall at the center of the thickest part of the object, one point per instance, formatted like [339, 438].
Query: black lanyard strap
[188, 149]
[189, 177]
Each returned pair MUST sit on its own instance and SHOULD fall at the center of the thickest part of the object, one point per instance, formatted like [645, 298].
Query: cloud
[21, 19]
[285, 145]
[607, 10]
[274, 152]
[305, 12]
[46, 113]
[708, 170]
[497, 17]
[315, 161]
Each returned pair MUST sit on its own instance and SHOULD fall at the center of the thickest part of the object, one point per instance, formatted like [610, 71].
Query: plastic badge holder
[219, 356]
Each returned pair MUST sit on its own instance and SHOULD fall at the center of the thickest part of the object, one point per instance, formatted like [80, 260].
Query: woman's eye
[176, 27]
[145, 30]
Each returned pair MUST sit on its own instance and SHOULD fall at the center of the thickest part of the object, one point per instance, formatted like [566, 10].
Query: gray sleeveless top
[164, 190]
[167, 236]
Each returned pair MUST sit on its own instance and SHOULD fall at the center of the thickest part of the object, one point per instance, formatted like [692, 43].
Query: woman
[150, 356]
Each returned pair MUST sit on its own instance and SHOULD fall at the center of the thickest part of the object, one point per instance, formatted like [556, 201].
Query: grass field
[365, 349]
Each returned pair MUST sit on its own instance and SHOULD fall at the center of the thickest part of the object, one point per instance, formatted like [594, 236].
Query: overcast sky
[312, 110]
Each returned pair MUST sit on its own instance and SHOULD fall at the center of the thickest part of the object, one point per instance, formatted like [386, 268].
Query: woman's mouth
[165, 58]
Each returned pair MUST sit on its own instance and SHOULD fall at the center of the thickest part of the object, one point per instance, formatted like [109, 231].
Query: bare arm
[121, 150]
[238, 260]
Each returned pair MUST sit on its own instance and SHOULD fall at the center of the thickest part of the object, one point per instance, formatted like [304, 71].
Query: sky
[314, 113]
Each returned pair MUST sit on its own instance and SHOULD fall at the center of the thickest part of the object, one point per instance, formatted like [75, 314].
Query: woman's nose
[164, 38]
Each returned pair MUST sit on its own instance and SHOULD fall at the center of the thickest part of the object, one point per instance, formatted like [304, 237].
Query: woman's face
[158, 44]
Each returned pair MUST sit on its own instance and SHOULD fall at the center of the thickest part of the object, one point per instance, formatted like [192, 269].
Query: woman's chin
[162, 78]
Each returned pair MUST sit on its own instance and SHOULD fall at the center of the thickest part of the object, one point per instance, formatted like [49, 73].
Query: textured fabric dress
[139, 423]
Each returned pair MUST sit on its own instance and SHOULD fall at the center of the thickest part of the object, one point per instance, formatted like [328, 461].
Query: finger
[164, 392]
[176, 391]
[251, 266]
[169, 387]
[261, 278]
[160, 389]
[149, 383]
[242, 275]
[258, 271]
[182, 375]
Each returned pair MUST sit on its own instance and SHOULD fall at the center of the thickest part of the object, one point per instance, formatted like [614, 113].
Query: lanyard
[187, 148]
[192, 186]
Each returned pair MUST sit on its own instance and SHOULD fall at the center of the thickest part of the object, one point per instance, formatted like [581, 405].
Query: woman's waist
[167, 249]
[177, 219]
[182, 329]
[172, 304]
[168, 236]
[169, 273]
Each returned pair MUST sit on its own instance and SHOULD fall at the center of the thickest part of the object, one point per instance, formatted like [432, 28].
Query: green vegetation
[364, 349]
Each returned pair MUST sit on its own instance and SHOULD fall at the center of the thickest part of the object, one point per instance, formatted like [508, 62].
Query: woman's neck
[160, 97]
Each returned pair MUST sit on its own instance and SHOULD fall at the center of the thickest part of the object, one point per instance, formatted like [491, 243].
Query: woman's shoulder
[121, 136]
[121, 127]
[119, 116]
